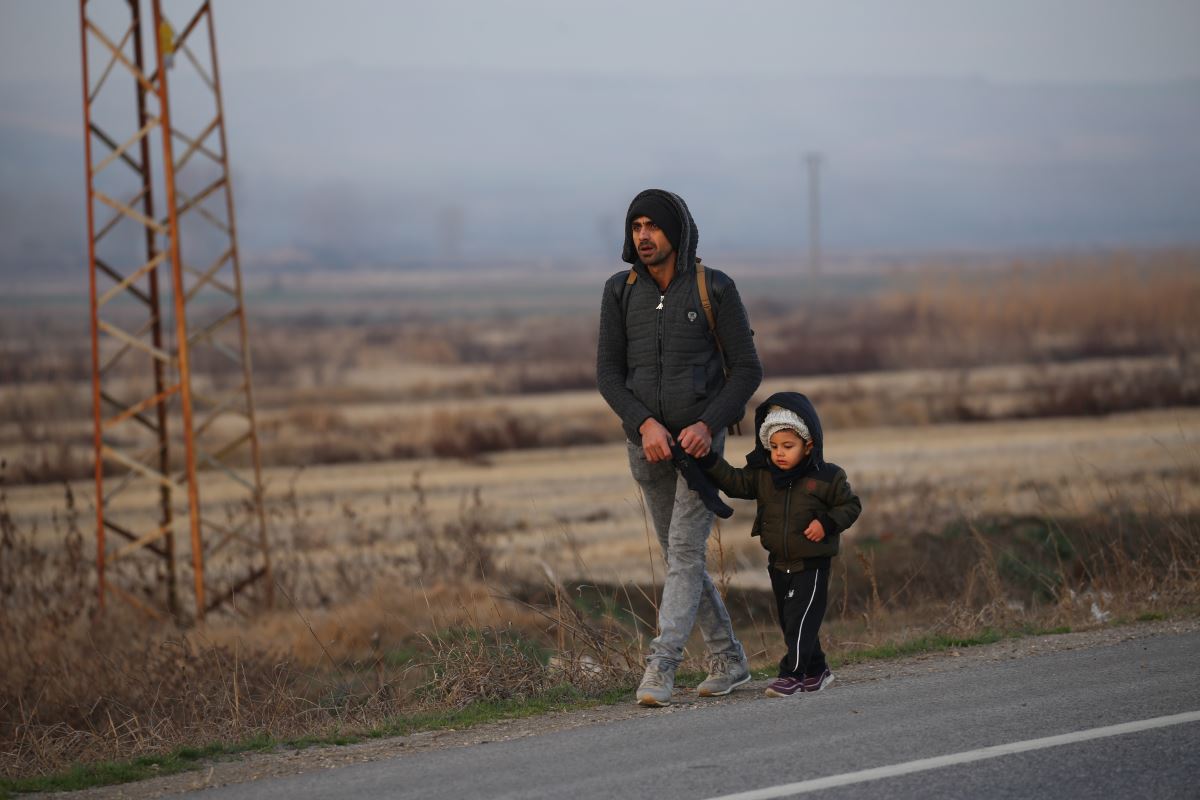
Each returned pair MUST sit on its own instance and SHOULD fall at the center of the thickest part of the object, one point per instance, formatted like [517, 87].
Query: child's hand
[815, 531]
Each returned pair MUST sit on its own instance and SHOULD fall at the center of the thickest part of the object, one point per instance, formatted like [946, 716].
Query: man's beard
[658, 259]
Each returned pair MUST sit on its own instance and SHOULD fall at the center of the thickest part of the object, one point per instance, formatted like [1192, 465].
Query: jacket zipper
[662, 297]
[787, 516]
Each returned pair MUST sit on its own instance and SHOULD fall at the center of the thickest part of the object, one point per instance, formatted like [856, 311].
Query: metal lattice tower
[172, 402]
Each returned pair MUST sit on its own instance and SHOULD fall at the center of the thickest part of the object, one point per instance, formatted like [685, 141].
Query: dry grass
[1051, 311]
[79, 687]
[365, 633]
[354, 656]
[1066, 336]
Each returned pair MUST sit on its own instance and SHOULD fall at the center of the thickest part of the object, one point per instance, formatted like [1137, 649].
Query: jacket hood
[803, 408]
[685, 253]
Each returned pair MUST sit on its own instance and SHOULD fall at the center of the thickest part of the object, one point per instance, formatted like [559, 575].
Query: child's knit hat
[778, 418]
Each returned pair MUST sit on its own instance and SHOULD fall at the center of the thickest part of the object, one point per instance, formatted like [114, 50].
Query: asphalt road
[923, 736]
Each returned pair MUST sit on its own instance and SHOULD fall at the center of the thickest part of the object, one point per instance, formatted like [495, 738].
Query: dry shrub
[1072, 308]
[390, 617]
[319, 566]
[1055, 310]
[999, 573]
[544, 377]
[311, 367]
[50, 421]
[472, 432]
[117, 695]
[306, 435]
[494, 664]
[60, 350]
[580, 645]
[484, 665]
[1167, 385]
[461, 549]
[79, 688]
[989, 577]
[42, 589]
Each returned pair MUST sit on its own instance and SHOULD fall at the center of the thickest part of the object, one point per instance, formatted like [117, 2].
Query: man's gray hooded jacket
[656, 356]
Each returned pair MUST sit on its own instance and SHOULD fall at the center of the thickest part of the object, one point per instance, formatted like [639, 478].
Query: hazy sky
[1014, 40]
[944, 123]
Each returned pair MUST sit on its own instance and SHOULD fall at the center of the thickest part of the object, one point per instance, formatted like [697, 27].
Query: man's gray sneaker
[656, 687]
[724, 675]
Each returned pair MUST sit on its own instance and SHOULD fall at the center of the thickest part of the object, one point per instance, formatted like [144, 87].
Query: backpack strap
[623, 299]
[702, 287]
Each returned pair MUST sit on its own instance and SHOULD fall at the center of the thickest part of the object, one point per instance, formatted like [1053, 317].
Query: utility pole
[813, 161]
[172, 404]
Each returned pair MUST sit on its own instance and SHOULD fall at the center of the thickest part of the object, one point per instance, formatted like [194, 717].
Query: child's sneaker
[815, 683]
[785, 687]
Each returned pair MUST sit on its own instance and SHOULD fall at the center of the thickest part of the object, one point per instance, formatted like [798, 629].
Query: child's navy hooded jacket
[789, 501]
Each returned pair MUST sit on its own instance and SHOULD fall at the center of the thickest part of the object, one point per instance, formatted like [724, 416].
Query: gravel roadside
[256, 766]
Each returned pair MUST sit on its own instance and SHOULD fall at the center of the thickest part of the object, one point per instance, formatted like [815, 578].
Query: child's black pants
[800, 598]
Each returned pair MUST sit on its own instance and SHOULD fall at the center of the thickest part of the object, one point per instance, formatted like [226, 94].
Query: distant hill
[343, 166]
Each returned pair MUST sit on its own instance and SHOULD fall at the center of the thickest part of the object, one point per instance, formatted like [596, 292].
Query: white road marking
[922, 764]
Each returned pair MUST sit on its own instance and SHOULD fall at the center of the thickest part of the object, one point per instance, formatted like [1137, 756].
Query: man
[660, 369]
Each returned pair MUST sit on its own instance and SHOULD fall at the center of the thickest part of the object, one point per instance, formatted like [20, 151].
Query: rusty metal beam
[120, 435]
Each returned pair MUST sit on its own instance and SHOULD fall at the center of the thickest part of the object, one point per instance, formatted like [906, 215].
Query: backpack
[709, 314]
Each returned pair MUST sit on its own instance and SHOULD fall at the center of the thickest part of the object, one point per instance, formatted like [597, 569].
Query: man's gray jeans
[689, 597]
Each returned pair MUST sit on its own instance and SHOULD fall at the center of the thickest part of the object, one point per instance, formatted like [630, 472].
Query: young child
[804, 504]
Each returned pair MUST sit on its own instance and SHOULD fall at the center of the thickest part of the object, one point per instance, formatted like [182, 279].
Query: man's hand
[696, 439]
[815, 531]
[656, 440]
